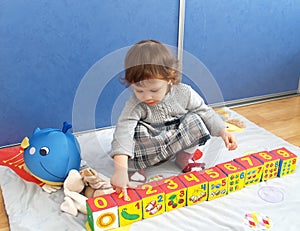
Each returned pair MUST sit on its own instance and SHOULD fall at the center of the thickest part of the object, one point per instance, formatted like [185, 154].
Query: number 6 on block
[235, 175]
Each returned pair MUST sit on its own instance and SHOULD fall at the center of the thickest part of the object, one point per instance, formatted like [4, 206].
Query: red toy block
[287, 163]
[217, 183]
[175, 192]
[254, 169]
[153, 199]
[102, 213]
[130, 210]
[270, 162]
[235, 174]
[197, 187]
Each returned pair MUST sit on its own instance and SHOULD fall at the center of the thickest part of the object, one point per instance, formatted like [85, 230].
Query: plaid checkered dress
[157, 143]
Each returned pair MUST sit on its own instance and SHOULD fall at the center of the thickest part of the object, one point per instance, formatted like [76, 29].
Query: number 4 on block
[197, 187]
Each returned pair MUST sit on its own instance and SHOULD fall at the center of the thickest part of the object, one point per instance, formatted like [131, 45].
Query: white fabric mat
[30, 208]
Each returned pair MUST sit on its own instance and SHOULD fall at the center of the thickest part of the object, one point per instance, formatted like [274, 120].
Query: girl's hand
[229, 140]
[119, 181]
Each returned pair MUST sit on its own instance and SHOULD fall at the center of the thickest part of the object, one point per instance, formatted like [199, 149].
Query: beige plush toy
[79, 186]
[233, 124]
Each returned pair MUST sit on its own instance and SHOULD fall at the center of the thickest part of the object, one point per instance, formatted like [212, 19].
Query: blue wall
[47, 47]
[252, 48]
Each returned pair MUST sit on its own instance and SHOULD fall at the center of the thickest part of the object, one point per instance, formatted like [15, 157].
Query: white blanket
[30, 208]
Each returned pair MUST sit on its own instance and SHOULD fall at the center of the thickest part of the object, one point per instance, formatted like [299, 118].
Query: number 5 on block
[217, 183]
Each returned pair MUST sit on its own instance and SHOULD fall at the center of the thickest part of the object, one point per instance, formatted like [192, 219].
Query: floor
[281, 117]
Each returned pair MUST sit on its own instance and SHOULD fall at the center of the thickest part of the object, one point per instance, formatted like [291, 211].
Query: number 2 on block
[149, 188]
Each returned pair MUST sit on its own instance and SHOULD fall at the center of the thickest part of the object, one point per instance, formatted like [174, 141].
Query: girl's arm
[119, 180]
[212, 120]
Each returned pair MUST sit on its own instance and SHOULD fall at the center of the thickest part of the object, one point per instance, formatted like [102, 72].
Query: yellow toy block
[235, 175]
[270, 162]
[217, 183]
[254, 169]
[197, 187]
[153, 199]
[102, 213]
[287, 163]
[130, 210]
[175, 193]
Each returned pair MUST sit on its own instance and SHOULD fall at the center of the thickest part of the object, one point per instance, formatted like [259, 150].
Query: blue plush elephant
[49, 154]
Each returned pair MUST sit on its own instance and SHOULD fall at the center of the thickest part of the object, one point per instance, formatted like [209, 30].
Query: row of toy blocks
[253, 168]
[266, 165]
[154, 198]
[151, 199]
[234, 175]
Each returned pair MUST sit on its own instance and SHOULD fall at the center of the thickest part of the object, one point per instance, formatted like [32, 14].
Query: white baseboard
[257, 99]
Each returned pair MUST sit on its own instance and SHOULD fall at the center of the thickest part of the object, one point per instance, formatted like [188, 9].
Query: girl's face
[151, 91]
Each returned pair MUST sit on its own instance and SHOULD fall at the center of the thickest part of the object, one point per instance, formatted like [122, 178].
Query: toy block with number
[130, 209]
[235, 175]
[102, 213]
[270, 162]
[254, 169]
[217, 183]
[153, 199]
[288, 161]
[175, 192]
[197, 187]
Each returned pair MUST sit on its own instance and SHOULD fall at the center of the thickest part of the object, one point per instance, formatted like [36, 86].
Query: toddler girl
[163, 118]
